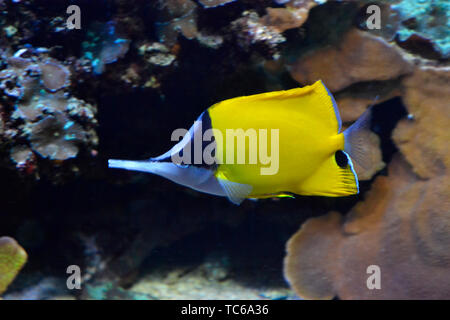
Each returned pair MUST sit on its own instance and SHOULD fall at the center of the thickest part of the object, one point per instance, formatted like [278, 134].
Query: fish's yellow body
[273, 144]
[308, 140]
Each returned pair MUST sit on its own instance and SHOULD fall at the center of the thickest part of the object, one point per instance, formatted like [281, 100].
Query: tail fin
[363, 146]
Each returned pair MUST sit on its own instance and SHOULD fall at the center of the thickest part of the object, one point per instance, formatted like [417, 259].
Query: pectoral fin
[236, 192]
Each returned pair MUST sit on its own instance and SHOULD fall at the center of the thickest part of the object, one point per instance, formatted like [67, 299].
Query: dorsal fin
[315, 102]
[334, 104]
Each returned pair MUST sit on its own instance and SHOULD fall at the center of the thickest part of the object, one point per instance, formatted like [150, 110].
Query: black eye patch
[341, 159]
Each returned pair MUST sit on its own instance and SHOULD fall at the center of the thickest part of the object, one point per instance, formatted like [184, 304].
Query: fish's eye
[341, 159]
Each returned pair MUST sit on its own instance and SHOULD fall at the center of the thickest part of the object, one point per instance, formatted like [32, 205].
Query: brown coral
[55, 76]
[293, 16]
[177, 16]
[424, 141]
[250, 29]
[358, 57]
[56, 137]
[172, 9]
[403, 227]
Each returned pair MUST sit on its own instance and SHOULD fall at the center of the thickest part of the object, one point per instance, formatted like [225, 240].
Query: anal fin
[236, 192]
[332, 179]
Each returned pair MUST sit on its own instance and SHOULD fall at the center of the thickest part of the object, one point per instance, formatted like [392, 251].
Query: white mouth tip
[113, 163]
[144, 166]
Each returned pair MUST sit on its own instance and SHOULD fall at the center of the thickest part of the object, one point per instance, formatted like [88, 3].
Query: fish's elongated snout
[200, 179]
[128, 165]
[113, 163]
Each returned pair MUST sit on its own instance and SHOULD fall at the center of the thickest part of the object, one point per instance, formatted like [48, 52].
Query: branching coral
[252, 30]
[12, 258]
[157, 54]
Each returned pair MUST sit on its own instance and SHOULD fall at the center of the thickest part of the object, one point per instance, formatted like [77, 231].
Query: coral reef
[69, 99]
[40, 114]
[424, 140]
[54, 76]
[157, 54]
[103, 46]
[359, 57]
[294, 14]
[49, 288]
[180, 17]
[12, 259]
[427, 19]
[174, 284]
[402, 227]
[252, 30]
[53, 137]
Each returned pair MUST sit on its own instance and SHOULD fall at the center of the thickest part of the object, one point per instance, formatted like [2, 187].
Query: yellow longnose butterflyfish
[274, 144]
